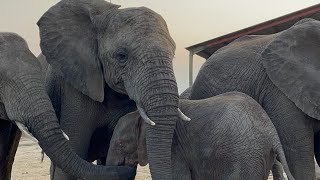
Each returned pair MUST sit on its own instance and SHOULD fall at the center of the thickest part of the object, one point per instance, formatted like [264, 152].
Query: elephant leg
[79, 139]
[295, 130]
[80, 142]
[180, 168]
[277, 171]
[9, 141]
[79, 117]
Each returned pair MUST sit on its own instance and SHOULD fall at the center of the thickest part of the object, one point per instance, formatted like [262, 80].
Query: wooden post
[190, 68]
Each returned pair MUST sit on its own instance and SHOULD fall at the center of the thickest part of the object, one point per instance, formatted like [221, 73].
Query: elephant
[25, 104]
[230, 137]
[105, 62]
[281, 72]
[277, 170]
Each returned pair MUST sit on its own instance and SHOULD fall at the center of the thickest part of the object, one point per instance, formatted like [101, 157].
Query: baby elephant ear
[69, 42]
[292, 61]
[142, 145]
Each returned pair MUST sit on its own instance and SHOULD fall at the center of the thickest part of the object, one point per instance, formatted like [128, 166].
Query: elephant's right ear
[292, 61]
[69, 42]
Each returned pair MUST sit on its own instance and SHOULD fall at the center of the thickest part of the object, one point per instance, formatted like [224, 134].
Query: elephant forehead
[139, 19]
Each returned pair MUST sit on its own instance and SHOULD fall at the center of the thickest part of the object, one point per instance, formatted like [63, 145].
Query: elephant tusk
[145, 117]
[25, 130]
[183, 116]
[65, 135]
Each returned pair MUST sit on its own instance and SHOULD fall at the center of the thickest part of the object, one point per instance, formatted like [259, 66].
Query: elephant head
[26, 102]
[128, 143]
[96, 44]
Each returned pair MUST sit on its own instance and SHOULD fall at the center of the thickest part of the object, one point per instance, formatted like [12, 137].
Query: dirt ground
[28, 165]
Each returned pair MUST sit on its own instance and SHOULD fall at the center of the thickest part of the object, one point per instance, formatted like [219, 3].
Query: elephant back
[186, 93]
[292, 62]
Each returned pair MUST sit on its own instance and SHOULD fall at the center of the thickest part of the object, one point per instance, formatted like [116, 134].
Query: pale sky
[190, 22]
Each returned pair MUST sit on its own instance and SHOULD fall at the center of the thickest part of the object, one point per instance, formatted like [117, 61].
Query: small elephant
[24, 103]
[230, 137]
[105, 62]
[282, 73]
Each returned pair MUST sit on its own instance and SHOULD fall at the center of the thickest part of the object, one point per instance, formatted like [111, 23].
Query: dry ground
[28, 165]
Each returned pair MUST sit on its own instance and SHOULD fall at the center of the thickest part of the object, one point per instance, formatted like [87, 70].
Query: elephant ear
[142, 145]
[292, 62]
[69, 42]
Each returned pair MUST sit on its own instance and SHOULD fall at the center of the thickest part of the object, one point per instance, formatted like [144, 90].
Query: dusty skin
[28, 165]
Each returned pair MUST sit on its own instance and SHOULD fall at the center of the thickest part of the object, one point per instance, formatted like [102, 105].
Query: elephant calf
[229, 137]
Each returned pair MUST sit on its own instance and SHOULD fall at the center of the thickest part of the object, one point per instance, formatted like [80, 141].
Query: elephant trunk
[29, 104]
[160, 103]
[159, 140]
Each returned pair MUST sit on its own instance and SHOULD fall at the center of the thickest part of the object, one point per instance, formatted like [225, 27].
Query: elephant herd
[104, 89]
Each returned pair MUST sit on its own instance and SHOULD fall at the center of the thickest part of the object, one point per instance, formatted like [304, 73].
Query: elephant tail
[282, 158]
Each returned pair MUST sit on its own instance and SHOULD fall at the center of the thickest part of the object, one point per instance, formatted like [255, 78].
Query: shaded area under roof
[207, 48]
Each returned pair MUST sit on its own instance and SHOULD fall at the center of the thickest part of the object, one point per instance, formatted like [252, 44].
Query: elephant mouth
[128, 162]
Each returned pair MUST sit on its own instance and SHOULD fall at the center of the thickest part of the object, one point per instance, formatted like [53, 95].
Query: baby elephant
[229, 137]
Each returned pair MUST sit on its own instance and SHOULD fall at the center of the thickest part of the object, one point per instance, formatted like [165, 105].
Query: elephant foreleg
[9, 141]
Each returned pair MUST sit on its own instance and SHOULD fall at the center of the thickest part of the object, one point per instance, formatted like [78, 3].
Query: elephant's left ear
[292, 61]
[69, 42]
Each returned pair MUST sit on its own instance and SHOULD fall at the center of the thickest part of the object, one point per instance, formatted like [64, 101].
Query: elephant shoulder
[292, 63]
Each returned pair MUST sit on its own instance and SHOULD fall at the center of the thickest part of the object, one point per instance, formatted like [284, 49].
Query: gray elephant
[102, 58]
[281, 72]
[25, 103]
[230, 137]
[277, 170]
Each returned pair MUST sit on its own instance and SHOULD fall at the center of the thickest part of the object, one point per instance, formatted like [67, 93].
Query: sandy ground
[28, 165]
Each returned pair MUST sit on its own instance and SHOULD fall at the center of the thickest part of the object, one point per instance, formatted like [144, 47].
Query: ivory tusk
[183, 116]
[25, 130]
[65, 135]
[145, 117]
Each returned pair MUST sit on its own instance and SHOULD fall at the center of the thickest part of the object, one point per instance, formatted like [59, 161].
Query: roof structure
[207, 48]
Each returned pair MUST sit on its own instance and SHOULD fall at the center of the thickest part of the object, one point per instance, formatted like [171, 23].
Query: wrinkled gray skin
[98, 52]
[230, 137]
[10, 135]
[186, 93]
[277, 171]
[282, 73]
[25, 101]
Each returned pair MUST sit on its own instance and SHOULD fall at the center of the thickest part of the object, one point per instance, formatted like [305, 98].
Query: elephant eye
[121, 56]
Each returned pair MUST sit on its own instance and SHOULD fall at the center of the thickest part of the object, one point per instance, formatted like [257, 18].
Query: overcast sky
[190, 22]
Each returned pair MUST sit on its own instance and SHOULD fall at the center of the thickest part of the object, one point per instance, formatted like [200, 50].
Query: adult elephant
[104, 57]
[282, 72]
[24, 102]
